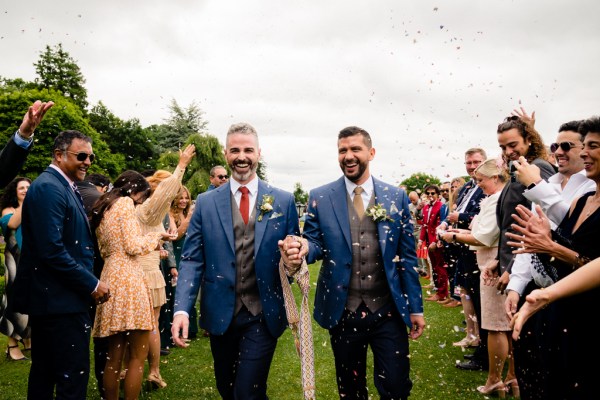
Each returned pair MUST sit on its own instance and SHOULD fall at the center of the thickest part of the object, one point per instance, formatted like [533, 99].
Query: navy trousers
[242, 357]
[387, 334]
[60, 356]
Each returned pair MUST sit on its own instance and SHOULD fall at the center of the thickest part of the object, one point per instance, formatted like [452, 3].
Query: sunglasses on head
[222, 176]
[82, 156]
[430, 193]
[565, 146]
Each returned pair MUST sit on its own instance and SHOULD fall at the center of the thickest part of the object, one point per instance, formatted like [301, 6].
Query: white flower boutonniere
[266, 206]
[378, 213]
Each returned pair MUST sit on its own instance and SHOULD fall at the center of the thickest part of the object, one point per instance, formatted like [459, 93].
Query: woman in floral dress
[127, 318]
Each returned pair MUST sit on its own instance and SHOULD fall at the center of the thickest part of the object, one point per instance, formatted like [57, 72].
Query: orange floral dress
[120, 241]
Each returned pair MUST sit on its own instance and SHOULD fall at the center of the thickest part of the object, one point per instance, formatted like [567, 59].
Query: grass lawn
[189, 372]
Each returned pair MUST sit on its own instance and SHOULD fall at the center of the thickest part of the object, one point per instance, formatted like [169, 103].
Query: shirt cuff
[96, 288]
[21, 142]
[181, 313]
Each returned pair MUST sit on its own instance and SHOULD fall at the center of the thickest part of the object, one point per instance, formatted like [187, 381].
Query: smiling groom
[231, 253]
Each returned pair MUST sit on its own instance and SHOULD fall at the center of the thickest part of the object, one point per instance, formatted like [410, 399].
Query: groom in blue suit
[231, 252]
[368, 291]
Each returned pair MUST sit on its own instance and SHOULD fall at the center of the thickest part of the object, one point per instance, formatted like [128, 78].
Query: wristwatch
[29, 139]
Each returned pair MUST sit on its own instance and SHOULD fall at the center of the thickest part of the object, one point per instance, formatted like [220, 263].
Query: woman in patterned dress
[13, 324]
[127, 318]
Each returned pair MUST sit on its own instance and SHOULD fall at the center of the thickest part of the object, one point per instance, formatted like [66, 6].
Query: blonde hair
[156, 178]
[490, 168]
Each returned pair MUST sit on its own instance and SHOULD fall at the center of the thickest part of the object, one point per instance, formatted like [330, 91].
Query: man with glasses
[445, 192]
[218, 176]
[55, 283]
[555, 197]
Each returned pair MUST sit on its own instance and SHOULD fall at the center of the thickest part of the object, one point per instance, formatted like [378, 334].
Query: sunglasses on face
[565, 146]
[444, 190]
[430, 193]
[82, 156]
[222, 176]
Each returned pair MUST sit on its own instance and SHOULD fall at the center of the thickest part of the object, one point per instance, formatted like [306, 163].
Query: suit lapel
[223, 206]
[72, 195]
[260, 226]
[339, 203]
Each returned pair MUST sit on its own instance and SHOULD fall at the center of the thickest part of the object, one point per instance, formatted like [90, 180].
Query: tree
[57, 70]
[182, 123]
[209, 152]
[125, 137]
[417, 182]
[299, 194]
[63, 116]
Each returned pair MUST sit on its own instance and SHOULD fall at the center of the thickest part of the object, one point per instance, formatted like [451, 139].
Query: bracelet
[580, 261]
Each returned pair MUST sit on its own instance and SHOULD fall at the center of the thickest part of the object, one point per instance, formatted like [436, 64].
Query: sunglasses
[83, 156]
[430, 193]
[222, 176]
[444, 190]
[565, 146]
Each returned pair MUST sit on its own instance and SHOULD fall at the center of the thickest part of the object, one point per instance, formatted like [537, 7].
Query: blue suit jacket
[208, 258]
[55, 273]
[327, 228]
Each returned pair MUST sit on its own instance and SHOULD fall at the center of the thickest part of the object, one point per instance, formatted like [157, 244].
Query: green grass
[189, 372]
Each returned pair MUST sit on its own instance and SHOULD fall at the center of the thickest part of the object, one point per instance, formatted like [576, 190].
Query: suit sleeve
[191, 266]
[12, 159]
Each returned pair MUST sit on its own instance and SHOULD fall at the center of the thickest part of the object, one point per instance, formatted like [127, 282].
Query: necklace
[592, 203]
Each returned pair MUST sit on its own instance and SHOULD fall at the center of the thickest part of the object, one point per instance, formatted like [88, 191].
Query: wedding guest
[231, 254]
[13, 324]
[218, 176]
[55, 283]
[561, 251]
[127, 318]
[434, 213]
[483, 238]
[164, 187]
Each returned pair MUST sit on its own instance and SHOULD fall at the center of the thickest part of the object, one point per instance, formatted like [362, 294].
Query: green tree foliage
[299, 194]
[182, 123]
[418, 181]
[137, 144]
[209, 152]
[57, 70]
[63, 116]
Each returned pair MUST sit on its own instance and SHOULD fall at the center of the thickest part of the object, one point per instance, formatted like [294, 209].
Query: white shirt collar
[252, 186]
[366, 185]
[60, 171]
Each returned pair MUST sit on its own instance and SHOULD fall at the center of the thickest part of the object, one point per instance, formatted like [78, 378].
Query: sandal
[513, 388]
[157, 382]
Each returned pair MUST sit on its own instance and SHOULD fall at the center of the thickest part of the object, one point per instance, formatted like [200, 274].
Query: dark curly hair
[537, 149]
[128, 183]
[9, 196]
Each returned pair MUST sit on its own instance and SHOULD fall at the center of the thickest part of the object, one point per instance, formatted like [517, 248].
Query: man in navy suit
[55, 283]
[14, 154]
[231, 253]
[368, 290]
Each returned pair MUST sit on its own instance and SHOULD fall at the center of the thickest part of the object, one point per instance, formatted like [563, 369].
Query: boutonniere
[378, 213]
[266, 206]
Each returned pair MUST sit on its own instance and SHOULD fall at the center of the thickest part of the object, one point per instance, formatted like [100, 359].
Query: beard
[243, 177]
[360, 167]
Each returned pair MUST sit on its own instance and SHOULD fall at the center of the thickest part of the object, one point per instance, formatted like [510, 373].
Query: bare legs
[472, 331]
[154, 353]
[137, 344]
[499, 350]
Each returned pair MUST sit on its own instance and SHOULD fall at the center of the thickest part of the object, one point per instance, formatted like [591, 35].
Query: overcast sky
[427, 79]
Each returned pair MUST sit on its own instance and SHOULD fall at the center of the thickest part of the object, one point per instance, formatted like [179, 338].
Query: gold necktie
[358, 202]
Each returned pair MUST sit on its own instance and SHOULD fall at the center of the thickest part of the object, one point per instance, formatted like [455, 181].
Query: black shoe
[471, 365]
[165, 352]
[469, 356]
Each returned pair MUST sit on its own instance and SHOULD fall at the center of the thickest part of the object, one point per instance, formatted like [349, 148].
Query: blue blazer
[327, 228]
[208, 258]
[55, 273]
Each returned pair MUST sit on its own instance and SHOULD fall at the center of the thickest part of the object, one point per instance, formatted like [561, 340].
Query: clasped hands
[293, 249]
[102, 293]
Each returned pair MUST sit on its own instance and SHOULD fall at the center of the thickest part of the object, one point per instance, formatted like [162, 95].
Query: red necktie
[244, 203]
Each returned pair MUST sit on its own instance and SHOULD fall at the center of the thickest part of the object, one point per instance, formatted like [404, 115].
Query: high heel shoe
[467, 342]
[9, 356]
[157, 382]
[513, 388]
[498, 388]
